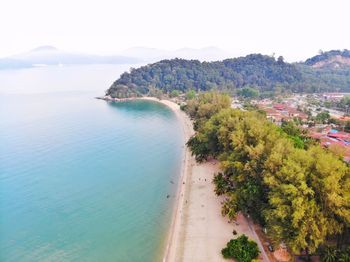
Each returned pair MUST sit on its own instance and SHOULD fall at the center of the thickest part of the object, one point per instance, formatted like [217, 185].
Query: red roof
[279, 106]
[316, 135]
[340, 135]
[270, 111]
[344, 118]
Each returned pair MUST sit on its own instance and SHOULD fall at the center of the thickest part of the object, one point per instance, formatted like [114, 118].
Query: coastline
[197, 230]
[171, 250]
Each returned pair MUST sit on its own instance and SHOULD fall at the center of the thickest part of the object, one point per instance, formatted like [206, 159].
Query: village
[318, 116]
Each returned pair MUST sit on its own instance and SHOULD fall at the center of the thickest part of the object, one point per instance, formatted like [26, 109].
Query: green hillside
[263, 73]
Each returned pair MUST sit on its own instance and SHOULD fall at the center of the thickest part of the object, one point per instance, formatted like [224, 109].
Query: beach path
[203, 231]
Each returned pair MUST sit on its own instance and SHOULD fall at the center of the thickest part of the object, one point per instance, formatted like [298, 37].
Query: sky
[296, 29]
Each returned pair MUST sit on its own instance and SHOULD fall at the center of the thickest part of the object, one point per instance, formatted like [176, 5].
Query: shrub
[242, 249]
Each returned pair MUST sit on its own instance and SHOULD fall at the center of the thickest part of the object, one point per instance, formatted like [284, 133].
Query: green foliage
[327, 55]
[122, 91]
[248, 92]
[205, 105]
[191, 94]
[316, 80]
[222, 185]
[241, 249]
[331, 254]
[343, 104]
[199, 148]
[344, 255]
[263, 73]
[347, 126]
[297, 141]
[299, 193]
[154, 92]
[323, 117]
[294, 133]
[290, 128]
[174, 93]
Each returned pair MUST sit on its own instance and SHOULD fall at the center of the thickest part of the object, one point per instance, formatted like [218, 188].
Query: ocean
[83, 179]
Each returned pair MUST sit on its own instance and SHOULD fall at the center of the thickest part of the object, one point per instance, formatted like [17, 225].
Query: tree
[241, 249]
[323, 117]
[204, 106]
[259, 71]
[293, 215]
[301, 195]
[248, 92]
[308, 199]
[294, 133]
[290, 128]
[329, 254]
[330, 179]
[280, 60]
[190, 94]
[174, 93]
[345, 255]
[344, 103]
[222, 186]
[199, 148]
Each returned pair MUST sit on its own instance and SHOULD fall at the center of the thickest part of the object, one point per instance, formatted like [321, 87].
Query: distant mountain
[203, 54]
[49, 55]
[331, 59]
[153, 54]
[146, 53]
[44, 48]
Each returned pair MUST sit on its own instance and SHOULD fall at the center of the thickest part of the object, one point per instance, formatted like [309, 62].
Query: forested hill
[264, 73]
[333, 58]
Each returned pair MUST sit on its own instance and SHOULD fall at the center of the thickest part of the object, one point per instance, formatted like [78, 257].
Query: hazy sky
[295, 29]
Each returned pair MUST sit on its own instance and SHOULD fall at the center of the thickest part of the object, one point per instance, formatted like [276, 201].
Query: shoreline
[172, 236]
[197, 229]
[187, 161]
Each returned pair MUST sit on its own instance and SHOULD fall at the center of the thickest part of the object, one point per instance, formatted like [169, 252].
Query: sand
[198, 231]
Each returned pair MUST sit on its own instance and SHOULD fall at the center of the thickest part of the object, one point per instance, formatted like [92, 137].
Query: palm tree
[345, 255]
[329, 254]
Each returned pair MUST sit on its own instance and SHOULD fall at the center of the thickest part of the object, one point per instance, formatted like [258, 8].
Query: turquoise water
[82, 179]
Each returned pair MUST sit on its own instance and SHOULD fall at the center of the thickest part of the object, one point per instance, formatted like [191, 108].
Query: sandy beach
[198, 231]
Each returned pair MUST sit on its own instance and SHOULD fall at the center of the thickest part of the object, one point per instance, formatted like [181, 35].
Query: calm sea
[82, 179]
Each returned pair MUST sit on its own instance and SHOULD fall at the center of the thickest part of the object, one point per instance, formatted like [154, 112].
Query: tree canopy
[248, 76]
[241, 249]
[300, 194]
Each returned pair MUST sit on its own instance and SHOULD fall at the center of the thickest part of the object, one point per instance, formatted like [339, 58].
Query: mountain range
[49, 55]
[153, 54]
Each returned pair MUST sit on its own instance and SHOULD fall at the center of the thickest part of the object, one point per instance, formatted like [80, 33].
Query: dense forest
[264, 73]
[300, 194]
